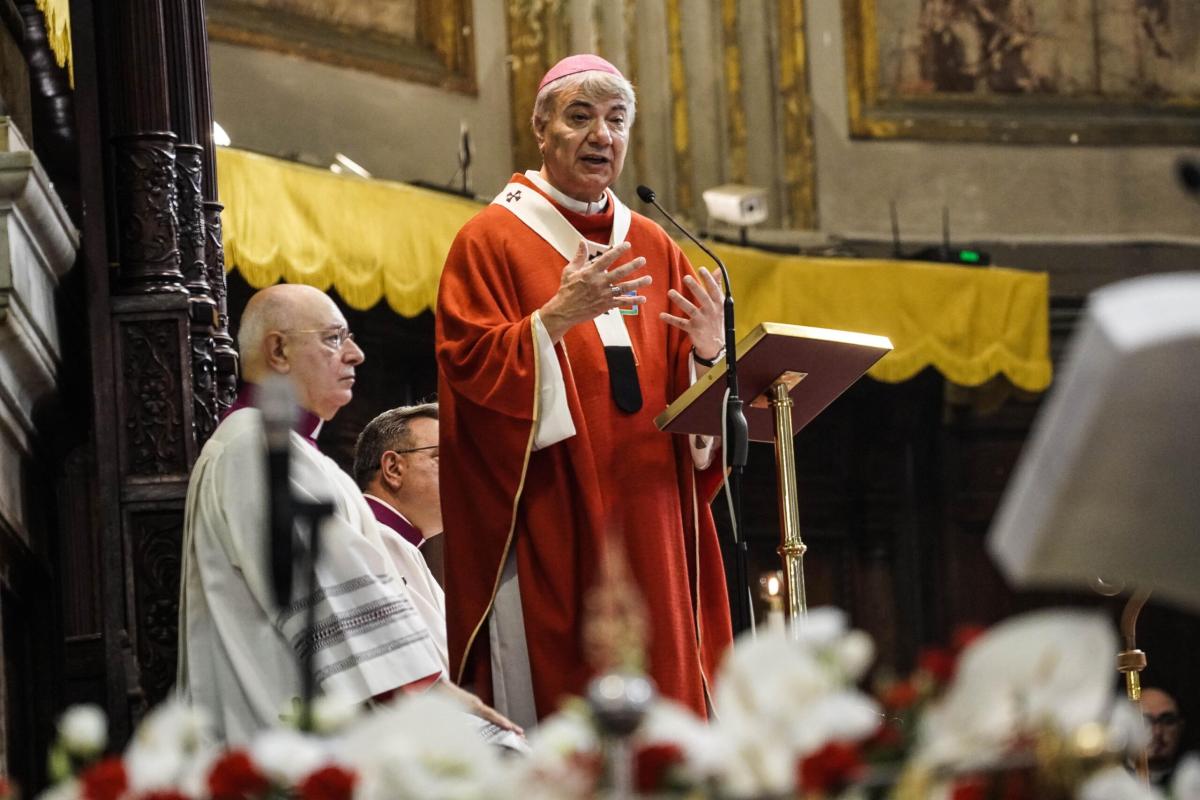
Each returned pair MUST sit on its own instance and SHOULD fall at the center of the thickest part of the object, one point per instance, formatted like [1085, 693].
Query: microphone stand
[277, 403]
[737, 435]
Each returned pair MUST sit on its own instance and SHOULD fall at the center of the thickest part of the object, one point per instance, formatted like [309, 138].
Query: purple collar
[307, 424]
[387, 515]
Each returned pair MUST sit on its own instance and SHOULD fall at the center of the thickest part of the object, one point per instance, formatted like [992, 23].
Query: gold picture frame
[917, 69]
[433, 44]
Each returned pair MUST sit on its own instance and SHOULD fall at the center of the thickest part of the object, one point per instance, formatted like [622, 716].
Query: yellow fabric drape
[971, 323]
[369, 239]
[375, 240]
[58, 31]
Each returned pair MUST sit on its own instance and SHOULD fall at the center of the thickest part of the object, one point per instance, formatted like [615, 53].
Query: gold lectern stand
[792, 372]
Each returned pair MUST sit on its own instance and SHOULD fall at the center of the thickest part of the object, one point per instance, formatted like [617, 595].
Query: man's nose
[599, 132]
[353, 353]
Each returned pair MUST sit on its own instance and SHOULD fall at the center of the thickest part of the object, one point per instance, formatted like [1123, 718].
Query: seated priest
[238, 650]
[396, 466]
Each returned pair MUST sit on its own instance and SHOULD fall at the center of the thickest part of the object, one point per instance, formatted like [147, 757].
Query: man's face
[1166, 726]
[321, 357]
[583, 144]
[421, 464]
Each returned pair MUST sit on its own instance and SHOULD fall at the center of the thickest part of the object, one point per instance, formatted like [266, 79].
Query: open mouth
[596, 161]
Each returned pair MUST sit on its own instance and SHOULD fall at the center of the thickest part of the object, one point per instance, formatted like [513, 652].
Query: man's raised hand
[589, 288]
[704, 316]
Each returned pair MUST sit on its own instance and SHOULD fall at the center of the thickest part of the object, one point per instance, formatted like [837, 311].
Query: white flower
[63, 790]
[1048, 668]
[1116, 783]
[1185, 785]
[668, 722]
[779, 699]
[560, 750]
[286, 756]
[424, 746]
[332, 713]
[165, 746]
[83, 730]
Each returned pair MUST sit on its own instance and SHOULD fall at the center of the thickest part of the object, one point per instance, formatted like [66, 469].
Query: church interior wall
[1037, 203]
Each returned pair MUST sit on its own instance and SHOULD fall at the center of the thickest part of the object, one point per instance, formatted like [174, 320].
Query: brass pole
[1131, 661]
[791, 548]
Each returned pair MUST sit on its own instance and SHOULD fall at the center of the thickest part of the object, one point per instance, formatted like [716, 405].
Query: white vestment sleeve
[702, 447]
[554, 424]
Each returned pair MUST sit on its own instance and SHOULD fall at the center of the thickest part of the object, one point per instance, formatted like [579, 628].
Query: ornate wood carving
[202, 310]
[155, 546]
[153, 424]
[147, 204]
[226, 354]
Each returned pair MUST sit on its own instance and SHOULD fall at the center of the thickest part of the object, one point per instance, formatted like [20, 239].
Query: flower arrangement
[1025, 710]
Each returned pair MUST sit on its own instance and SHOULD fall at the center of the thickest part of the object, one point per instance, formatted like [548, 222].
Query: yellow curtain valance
[971, 323]
[374, 239]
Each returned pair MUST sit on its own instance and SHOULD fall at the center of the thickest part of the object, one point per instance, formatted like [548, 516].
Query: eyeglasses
[417, 450]
[333, 338]
[1167, 719]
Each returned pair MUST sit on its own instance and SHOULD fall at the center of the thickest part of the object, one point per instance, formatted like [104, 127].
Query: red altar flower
[105, 780]
[830, 769]
[652, 762]
[328, 783]
[900, 695]
[164, 794]
[235, 777]
[938, 662]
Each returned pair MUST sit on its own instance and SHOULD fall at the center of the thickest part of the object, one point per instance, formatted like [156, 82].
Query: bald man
[238, 651]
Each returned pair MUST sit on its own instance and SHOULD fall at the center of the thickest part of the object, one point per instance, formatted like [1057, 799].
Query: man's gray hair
[594, 85]
[391, 430]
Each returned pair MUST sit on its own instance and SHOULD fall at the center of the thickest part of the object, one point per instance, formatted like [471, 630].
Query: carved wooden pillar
[225, 353]
[162, 318]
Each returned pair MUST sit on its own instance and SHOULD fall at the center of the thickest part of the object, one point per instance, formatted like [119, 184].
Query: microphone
[1189, 176]
[736, 431]
[277, 402]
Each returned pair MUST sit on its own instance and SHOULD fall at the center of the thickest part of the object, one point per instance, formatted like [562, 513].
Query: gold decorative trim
[629, 22]
[736, 114]
[680, 133]
[539, 34]
[799, 177]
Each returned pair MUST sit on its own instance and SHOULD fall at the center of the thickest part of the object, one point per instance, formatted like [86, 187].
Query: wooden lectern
[791, 373]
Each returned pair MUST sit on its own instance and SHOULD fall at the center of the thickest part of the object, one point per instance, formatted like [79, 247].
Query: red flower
[900, 695]
[164, 794]
[328, 783]
[7, 789]
[235, 777]
[652, 762]
[939, 662]
[973, 787]
[831, 768]
[964, 635]
[105, 780]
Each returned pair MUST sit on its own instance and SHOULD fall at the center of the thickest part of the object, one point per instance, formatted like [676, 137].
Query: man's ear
[275, 352]
[391, 470]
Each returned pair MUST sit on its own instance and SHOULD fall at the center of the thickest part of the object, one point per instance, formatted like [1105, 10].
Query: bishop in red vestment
[565, 324]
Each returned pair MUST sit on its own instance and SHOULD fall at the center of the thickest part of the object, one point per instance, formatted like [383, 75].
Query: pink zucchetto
[582, 62]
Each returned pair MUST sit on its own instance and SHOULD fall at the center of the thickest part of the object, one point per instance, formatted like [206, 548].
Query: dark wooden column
[189, 175]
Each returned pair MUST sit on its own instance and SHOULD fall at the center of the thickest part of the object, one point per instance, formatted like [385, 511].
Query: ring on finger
[616, 290]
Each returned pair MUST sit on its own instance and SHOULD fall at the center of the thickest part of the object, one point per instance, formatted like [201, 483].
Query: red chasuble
[618, 477]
